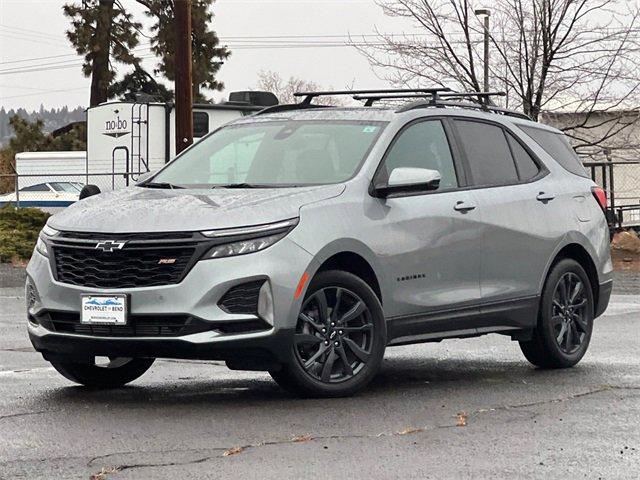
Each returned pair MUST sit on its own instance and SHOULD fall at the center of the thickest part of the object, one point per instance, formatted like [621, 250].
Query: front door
[429, 243]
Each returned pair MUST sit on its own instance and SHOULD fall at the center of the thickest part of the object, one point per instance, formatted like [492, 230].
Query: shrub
[19, 229]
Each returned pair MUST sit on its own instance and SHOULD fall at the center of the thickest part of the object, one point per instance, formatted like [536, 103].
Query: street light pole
[486, 13]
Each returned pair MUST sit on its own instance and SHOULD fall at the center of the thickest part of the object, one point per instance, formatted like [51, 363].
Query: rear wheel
[565, 321]
[111, 373]
[339, 340]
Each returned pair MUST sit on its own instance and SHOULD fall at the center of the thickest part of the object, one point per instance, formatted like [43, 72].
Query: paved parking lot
[180, 419]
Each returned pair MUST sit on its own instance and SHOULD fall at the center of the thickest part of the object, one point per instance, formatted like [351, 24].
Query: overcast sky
[32, 29]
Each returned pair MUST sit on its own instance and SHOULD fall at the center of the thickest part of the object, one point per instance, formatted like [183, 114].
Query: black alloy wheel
[565, 320]
[339, 338]
[334, 335]
[569, 317]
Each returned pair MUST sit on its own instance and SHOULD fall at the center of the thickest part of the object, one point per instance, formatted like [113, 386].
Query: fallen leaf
[102, 474]
[461, 419]
[302, 438]
[410, 430]
[232, 451]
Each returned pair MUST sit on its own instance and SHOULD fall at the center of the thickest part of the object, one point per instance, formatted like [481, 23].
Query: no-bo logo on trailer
[116, 128]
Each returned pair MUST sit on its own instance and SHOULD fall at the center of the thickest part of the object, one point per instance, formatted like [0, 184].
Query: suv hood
[139, 209]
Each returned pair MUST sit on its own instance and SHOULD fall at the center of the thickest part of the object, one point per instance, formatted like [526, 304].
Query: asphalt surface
[178, 420]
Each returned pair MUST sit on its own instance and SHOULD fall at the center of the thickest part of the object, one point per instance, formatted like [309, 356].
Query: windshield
[281, 153]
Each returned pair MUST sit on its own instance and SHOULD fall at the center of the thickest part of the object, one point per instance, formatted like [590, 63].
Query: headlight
[243, 247]
[41, 247]
[286, 225]
[244, 240]
[49, 232]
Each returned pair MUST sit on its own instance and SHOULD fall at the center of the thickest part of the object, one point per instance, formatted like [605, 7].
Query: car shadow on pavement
[399, 378]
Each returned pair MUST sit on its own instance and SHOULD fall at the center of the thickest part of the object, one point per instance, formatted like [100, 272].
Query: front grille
[120, 269]
[242, 299]
[137, 325]
[146, 260]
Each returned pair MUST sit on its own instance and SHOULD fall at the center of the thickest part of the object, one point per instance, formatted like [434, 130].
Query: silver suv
[304, 240]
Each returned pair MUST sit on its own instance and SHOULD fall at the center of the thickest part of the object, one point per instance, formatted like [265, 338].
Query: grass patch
[19, 229]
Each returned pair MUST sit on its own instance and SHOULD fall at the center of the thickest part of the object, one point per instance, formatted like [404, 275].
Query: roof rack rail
[309, 96]
[469, 105]
[285, 107]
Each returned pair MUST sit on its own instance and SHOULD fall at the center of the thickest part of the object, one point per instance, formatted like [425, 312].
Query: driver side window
[424, 145]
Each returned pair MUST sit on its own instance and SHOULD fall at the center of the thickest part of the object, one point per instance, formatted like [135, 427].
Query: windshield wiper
[240, 185]
[166, 185]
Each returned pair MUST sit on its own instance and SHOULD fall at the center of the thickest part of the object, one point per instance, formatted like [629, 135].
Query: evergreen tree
[139, 81]
[207, 55]
[104, 33]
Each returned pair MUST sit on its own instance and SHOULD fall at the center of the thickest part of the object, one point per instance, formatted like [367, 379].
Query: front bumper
[253, 352]
[197, 295]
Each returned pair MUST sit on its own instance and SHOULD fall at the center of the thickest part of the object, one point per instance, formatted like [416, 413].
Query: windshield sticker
[369, 129]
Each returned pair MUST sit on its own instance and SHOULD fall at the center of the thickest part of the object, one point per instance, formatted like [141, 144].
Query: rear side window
[558, 147]
[527, 167]
[488, 153]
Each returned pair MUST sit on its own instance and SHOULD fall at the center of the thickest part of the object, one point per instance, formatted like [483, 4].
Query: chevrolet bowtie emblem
[110, 245]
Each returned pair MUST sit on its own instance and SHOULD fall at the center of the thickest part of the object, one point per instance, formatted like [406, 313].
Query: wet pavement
[186, 419]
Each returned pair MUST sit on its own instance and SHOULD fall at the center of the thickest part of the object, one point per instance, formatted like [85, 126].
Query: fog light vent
[242, 299]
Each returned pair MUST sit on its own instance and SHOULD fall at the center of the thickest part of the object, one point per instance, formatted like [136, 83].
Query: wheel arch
[579, 253]
[355, 258]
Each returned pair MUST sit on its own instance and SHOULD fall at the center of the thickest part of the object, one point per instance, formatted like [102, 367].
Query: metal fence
[621, 181]
[54, 191]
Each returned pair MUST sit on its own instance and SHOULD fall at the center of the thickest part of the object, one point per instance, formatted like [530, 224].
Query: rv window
[200, 124]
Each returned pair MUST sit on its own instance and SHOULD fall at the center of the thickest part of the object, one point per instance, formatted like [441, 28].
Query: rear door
[515, 195]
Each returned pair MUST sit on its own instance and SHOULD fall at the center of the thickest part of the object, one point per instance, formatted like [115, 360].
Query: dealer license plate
[104, 309]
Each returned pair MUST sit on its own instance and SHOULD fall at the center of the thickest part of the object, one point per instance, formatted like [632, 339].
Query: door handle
[545, 197]
[464, 207]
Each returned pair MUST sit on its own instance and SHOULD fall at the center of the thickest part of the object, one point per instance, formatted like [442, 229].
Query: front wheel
[565, 321]
[112, 373]
[339, 339]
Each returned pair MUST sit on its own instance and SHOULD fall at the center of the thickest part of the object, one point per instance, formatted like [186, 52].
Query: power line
[44, 93]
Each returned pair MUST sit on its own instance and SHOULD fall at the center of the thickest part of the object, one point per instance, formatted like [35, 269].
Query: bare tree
[580, 56]
[284, 89]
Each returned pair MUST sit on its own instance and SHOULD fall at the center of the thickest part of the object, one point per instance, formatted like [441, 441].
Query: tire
[118, 372]
[344, 357]
[564, 328]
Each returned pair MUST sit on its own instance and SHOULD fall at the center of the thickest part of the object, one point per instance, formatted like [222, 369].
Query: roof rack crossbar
[483, 97]
[309, 96]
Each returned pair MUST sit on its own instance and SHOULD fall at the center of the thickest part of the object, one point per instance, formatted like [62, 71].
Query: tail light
[601, 197]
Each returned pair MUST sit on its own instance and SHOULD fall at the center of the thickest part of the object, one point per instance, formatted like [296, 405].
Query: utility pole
[486, 13]
[183, 58]
[100, 53]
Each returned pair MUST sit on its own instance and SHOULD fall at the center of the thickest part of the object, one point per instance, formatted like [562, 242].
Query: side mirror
[404, 179]
[89, 191]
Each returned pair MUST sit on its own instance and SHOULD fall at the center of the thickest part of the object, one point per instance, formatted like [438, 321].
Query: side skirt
[516, 318]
